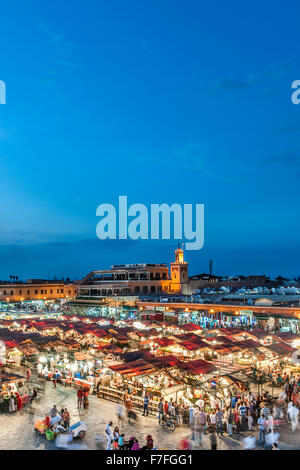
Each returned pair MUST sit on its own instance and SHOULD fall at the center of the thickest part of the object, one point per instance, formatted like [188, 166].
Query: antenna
[210, 267]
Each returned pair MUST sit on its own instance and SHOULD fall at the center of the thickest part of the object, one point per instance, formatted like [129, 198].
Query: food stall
[13, 395]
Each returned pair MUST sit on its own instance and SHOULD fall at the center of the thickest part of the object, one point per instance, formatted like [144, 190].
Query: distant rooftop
[139, 265]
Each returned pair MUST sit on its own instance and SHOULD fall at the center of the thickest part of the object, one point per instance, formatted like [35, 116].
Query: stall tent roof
[197, 367]
[281, 348]
[191, 346]
[163, 342]
[156, 361]
[190, 327]
[6, 377]
[287, 336]
[131, 369]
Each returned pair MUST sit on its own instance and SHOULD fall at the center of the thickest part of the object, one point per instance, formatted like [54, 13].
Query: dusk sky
[162, 101]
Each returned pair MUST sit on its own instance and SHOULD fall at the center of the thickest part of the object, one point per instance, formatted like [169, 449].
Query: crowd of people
[116, 440]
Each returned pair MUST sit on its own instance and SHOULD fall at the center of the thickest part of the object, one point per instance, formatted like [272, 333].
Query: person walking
[242, 413]
[146, 404]
[55, 377]
[262, 430]
[250, 422]
[179, 417]
[212, 418]
[79, 397]
[54, 412]
[160, 410]
[109, 435]
[230, 419]
[66, 418]
[219, 422]
[28, 375]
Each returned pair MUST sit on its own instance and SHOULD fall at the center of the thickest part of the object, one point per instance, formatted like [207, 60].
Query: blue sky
[163, 101]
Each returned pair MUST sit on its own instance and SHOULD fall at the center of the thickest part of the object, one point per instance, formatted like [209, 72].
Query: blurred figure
[120, 415]
[213, 440]
[270, 423]
[293, 413]
[249, 443]
[270, 439]
[185, 444]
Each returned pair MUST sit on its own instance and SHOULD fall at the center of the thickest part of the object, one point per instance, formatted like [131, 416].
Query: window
[20, 292]
[11, 292]
[62, 291]
[145, 289]
[28, 292]
[42, 291]
[51, 291]
[35, 292]
[57, 291]
[137, 289]
[152, 288]
[45, 291]
[4, 292]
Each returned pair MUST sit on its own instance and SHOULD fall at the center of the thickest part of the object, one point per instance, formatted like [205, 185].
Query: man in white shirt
[262, 429]
[109, 434]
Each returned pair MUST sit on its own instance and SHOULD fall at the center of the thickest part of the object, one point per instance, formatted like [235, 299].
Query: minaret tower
[179, 272]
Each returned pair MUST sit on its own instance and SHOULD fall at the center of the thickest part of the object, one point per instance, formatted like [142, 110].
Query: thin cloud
[272, 75]
[285, 157]
[60, 59]
[4, 133]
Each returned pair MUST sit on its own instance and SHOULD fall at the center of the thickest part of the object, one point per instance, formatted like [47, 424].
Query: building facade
[136, 279]
[37, 290]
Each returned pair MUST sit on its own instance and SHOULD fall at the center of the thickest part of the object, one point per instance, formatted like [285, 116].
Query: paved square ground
[18, 433]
